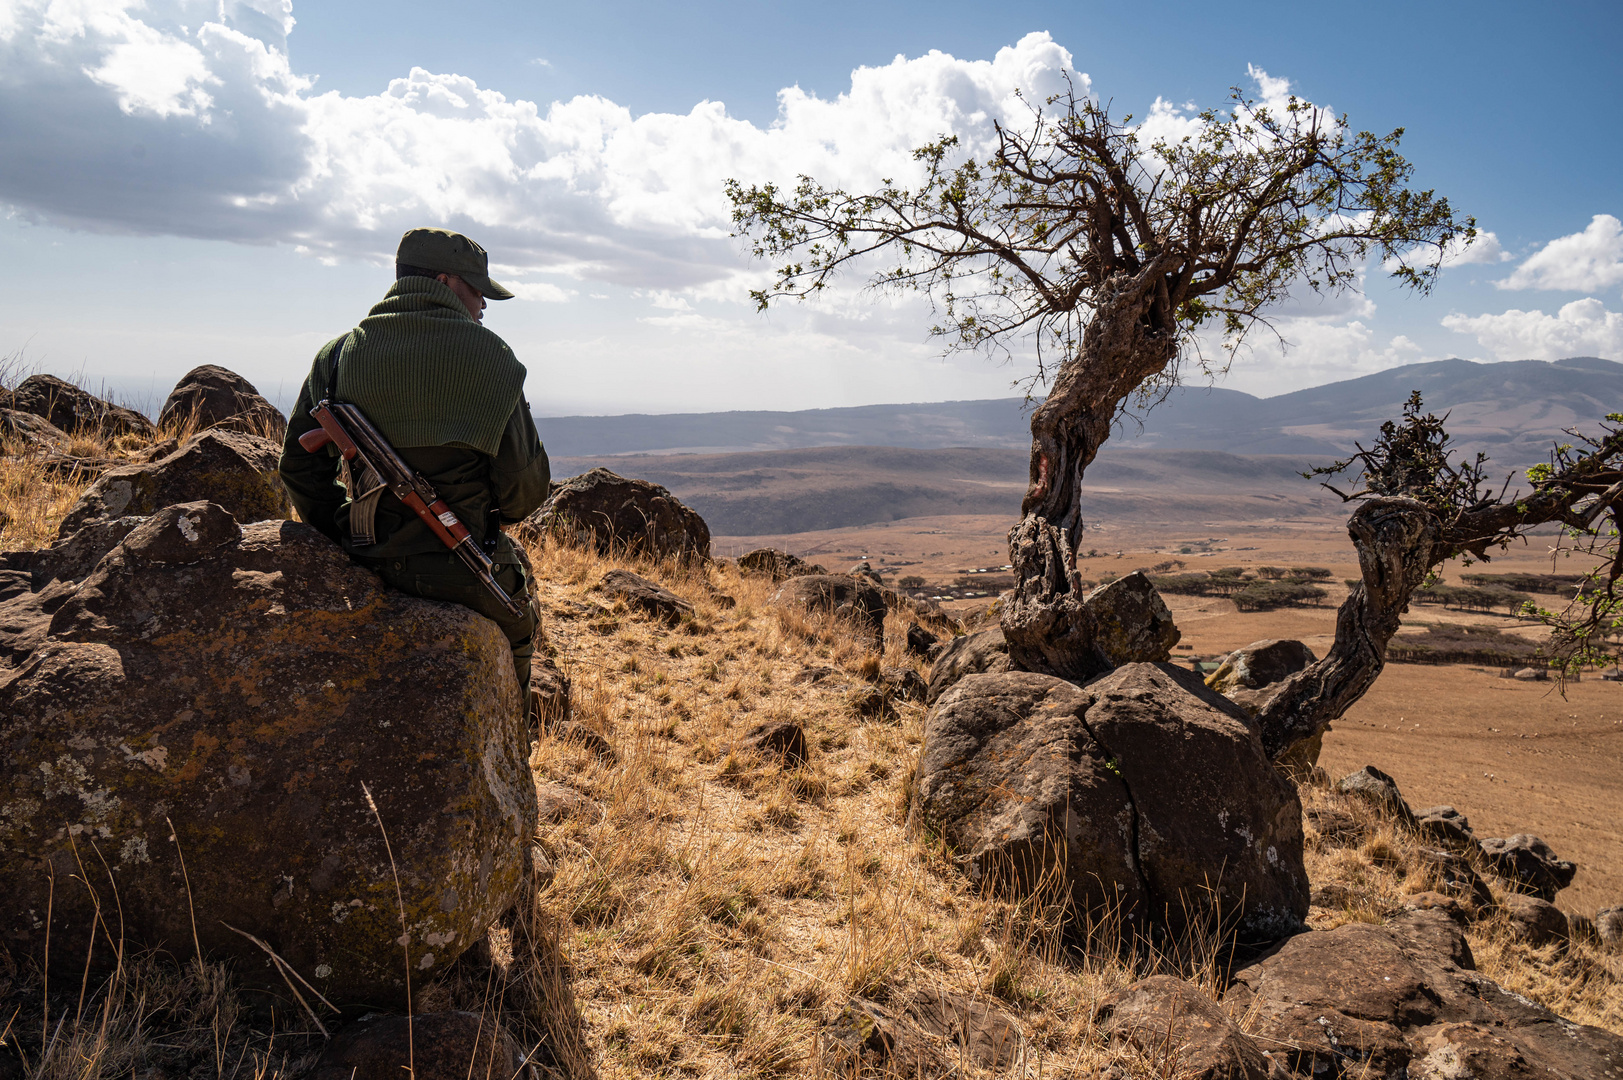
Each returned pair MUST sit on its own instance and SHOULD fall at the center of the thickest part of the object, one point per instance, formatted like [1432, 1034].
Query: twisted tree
[1115, 253]
[1110, 251]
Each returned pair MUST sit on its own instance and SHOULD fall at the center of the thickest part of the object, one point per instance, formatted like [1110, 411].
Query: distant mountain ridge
[1511, 410]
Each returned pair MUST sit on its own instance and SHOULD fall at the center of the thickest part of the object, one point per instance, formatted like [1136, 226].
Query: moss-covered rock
[221, 694]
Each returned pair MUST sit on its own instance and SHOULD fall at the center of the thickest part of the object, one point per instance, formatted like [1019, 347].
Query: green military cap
[448, 252]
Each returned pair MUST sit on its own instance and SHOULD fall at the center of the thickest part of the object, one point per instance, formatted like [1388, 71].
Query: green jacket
[437, 385]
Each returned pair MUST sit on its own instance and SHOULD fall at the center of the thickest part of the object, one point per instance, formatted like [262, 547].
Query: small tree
[1112, 252]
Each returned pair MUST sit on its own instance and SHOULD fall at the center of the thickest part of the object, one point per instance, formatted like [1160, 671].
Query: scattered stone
[867, 1038]
[573, 731]
[235, 470]
[919, 640]
[1455, 874]
[1169, 1019]
[1260, 664]
[871, 703]
[1435, 901]
[1159, 804]
[983, 652]
[1444, 825]
[1403, 999]
[1609, 927]
[235, 688]
[853, 600]
[1375, 786]
[782, 739]
[211, 396]
[1537, 922]
[434, 1046]
[35, 434]
[644, 595]
[904, 683]
[557, 803]
[986, 1036]
[1336, 827]
[73, 410]
[865, 570]
[613, 513]
[1527, 864]
[776, 564]
[550, 702]
[1134, 624]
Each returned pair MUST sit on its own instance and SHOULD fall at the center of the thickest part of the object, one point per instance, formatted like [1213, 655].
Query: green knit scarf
[428, 375]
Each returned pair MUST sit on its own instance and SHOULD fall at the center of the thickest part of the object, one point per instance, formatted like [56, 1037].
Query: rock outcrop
[645, 596]
[853, 600]
[211, 396]
[1528, 865]
[1376, 787]
[75, 410]
[230, 468]
[1404, 999]
[1142, 793]
[1260, 664]
[30, 433]
[1134, 623]
[613, 513]
[776, 564]
[220, 693]
[980, 653]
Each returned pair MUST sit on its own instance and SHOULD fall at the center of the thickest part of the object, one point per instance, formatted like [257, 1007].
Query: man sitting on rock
[449, 395]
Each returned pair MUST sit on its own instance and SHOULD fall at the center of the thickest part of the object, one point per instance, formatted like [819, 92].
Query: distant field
[800, 491]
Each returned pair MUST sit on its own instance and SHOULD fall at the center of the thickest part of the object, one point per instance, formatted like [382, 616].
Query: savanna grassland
[712, 910]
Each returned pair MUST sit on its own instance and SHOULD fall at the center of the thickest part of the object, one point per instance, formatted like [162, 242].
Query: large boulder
[238, 697]
[1379, 790]
[1134, 624]
[1528, 865]
[983, 652]
[1404, 999]
[212, 396]
[856, 602]
[75, 410]
[231, 468]
[1143, 793]
[614, 513]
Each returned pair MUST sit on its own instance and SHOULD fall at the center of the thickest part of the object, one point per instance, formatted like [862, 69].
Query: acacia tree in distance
[1111, 252]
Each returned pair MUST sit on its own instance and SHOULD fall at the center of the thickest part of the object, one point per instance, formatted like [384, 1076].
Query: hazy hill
[787, 491]
[1510, 410]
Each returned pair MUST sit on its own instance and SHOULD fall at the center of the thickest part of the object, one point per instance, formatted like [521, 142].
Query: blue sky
[190, 181]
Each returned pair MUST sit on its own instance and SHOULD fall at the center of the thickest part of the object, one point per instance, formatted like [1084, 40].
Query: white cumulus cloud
[184, 117]
[1581, 328]
[1588, 261]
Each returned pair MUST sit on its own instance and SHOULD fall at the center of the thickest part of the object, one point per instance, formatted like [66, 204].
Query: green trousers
[440, 575]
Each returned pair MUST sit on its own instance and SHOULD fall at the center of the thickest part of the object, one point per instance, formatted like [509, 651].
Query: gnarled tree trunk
[1398, 542]
[1048, 627]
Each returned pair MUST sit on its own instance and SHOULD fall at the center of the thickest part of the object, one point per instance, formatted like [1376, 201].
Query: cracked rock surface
[185, 686]
[1146, 791]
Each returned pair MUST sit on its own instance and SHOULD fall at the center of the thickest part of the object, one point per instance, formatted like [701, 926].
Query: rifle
[347, 428]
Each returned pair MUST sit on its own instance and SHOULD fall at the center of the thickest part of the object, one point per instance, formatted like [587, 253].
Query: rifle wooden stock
[347, 428]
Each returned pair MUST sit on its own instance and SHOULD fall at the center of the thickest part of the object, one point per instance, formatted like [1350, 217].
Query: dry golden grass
[724, 908]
